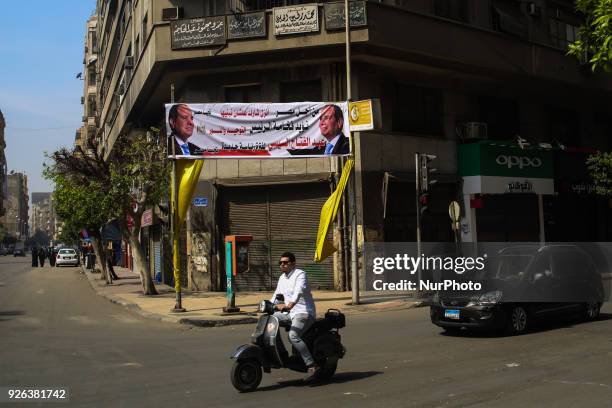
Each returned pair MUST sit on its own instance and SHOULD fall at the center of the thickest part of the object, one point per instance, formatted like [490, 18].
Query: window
[452, 9]
[91, 75]
[562, 34]
[137, 48]
[507, 17]
[300, 91]
[500, 115]
[564, 126]
[243, 93]
[418, 110]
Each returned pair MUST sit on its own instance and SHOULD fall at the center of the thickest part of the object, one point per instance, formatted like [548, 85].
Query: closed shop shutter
[295, 211]
[245, 211]
[280, 218]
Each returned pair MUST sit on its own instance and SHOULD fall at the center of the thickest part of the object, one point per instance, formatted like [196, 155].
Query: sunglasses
[284, 262]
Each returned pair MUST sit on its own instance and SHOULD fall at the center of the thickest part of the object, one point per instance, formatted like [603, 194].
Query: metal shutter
[244, 210]
[280, 218]
[295, 211]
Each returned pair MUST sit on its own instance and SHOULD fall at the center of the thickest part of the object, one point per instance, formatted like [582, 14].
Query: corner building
[447, 73]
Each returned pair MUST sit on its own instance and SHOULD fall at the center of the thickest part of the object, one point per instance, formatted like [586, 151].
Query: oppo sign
[518, 161]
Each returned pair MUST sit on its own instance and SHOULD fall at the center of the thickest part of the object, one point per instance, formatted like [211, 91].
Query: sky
[41, 52]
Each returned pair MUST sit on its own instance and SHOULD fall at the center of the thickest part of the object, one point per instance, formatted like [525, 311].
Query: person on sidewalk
[110, 261]
[42, 254]
[35, 257]
[52, 255]
[293, 285]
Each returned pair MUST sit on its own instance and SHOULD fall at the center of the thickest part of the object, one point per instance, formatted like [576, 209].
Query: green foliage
[90, 190]
[600, 168]
[594, 43]
[139, 173]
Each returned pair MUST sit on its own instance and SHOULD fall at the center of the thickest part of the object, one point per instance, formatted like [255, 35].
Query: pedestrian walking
[52, 255]
[42, 254]
[34, 257]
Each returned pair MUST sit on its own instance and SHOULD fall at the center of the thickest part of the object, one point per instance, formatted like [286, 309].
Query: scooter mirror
[262, 306]
[280, 297]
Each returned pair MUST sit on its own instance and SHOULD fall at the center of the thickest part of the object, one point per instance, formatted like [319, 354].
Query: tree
[594, 43]
[140, 175]
[600, 168]
[134, 177]
[79, 201]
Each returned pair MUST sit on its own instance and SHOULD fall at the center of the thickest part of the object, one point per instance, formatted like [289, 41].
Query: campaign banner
[257, 130]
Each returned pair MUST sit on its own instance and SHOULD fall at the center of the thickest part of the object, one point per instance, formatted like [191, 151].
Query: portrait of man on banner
[181, 125]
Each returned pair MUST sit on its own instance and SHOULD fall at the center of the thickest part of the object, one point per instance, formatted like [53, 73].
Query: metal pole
[354, 270]
[176, 228]
[417, 183]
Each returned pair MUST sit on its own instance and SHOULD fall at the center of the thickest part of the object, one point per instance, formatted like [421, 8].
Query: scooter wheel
[246, 374]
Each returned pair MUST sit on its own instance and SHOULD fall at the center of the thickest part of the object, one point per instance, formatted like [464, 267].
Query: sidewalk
[205, 308]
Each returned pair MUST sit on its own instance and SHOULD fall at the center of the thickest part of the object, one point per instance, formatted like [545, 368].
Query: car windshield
[506, 267]
[67, 251]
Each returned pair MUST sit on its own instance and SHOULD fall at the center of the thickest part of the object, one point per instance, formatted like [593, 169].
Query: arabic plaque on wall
[246, 25]
[296, 19]
[334, 15]
[198, 32]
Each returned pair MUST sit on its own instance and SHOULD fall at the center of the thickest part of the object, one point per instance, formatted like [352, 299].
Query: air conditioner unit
[475, 130]
[172, 13]
[129, 62]
[534, 10]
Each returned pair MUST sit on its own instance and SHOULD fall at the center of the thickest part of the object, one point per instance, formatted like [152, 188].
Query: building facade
[16, 218]
[90, 90]
[491, 73]
[43, 217]
[3, 172]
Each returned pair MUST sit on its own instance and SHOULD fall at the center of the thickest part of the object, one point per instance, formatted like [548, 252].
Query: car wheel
[591, 310]
[246, 375]
[518, 320]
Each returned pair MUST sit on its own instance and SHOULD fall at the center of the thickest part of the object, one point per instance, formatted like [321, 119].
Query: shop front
[504, 189]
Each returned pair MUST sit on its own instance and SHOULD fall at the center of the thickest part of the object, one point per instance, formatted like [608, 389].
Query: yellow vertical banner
[187, 176]
[324, 248]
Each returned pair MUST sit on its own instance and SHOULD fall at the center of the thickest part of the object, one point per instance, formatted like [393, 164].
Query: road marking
[361, 394]
[511, 365]
[40, 292]
[130, 365]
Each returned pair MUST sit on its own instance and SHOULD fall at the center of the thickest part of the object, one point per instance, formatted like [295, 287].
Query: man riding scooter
[293, 285]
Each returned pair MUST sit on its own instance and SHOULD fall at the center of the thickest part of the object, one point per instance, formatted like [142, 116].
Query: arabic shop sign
[334, 15]
[198, 32]
[296, 19]
[249, 25]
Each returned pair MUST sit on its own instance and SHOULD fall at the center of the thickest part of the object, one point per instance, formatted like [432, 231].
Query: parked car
[525, 285]
[66, 256]
[3, 251]
[18, 252]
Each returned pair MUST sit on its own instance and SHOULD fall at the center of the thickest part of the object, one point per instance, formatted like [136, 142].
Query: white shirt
[294, 287]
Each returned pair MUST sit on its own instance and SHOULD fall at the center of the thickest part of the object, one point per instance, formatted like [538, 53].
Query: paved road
[55, 332]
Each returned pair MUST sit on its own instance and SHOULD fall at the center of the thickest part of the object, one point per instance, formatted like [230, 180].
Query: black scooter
[267, 350]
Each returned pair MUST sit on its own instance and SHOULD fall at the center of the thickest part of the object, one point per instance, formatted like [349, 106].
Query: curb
[392, 305]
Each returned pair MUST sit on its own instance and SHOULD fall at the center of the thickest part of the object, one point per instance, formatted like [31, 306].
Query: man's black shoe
[313, 374]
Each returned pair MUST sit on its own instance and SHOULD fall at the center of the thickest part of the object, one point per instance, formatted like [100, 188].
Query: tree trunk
[140, 263]
[98, 247]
